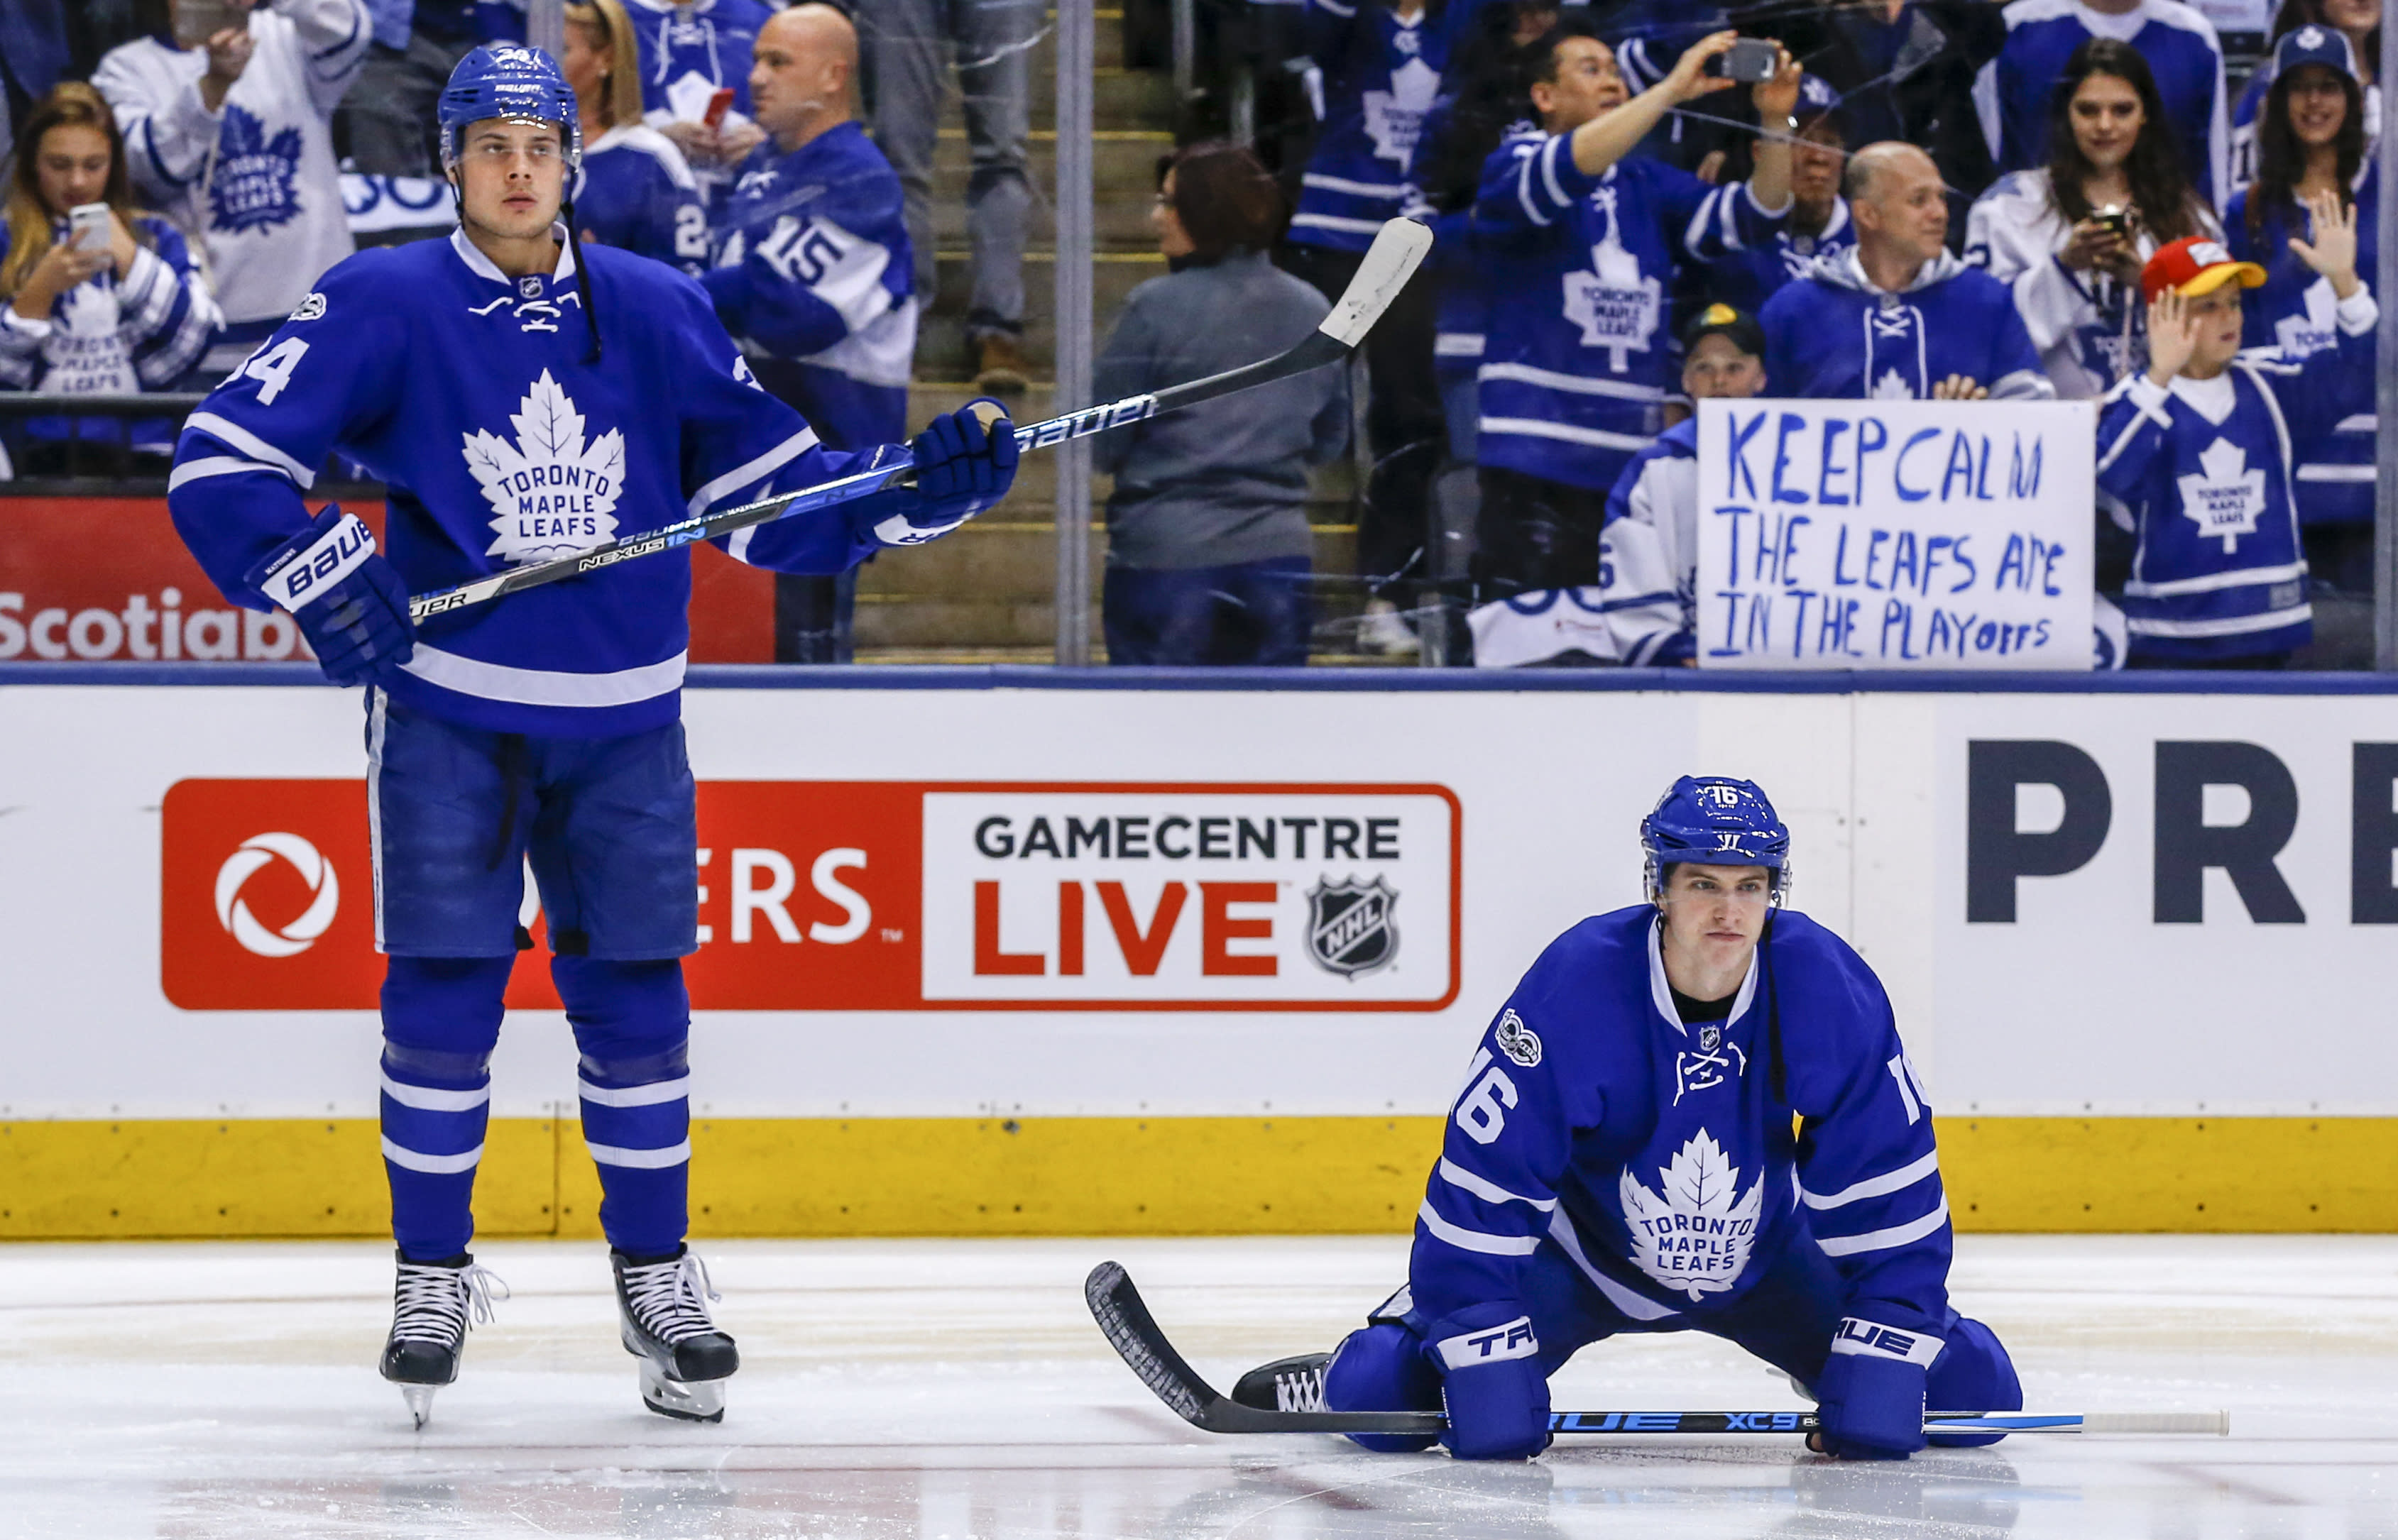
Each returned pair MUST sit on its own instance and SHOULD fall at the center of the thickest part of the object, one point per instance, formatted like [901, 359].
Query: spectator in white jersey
[126, 315]
[634, 189]
[233, 139]
[2070, 239]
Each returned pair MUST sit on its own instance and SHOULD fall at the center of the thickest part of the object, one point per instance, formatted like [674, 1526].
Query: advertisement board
[1895, 534]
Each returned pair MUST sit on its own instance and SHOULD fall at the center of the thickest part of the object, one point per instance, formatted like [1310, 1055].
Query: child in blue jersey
[1895, 316]
[1622, 1159]
[635, 191]
[1582, 246]
[2011, 92]
[2312, 144]
[2196, 453]
[524, 400]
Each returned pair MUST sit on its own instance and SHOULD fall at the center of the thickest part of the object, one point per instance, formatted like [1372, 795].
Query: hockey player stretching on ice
[1623, 1160]
[524, 400]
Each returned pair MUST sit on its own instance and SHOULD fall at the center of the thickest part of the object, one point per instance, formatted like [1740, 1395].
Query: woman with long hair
[2070, 239]
[129, 312]
[636, 192]
[2310, 146]
[2359, 21]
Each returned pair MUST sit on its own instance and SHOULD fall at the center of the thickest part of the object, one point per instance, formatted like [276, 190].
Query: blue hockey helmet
[1714, 820]
[512, 81]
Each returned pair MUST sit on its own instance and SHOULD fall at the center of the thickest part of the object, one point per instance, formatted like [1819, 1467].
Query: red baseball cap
[2195, 265]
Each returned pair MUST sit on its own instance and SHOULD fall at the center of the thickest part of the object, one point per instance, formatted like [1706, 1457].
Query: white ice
[948, 1389]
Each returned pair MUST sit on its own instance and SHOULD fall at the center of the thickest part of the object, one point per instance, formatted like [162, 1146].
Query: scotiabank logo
[897, 895]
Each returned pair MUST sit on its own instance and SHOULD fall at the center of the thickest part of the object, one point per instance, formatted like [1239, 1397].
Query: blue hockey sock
[632, 1021]
[441, 1018]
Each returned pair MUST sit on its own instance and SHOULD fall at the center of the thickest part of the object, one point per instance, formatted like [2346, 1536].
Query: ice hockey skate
[1294, 1383]
[433, 1305]
[685, 1361]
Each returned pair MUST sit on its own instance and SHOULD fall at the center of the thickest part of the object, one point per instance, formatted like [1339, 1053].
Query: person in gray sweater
[1208, 548]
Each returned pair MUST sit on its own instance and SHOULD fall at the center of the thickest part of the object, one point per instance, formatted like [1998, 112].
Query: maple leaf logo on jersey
[2304, 336]
[2225, 497]
[554, 493]
[1694, 1234]
[255, 183]
[1394, 118]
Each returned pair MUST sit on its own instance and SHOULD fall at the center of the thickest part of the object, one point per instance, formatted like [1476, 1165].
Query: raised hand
[2173, 336]
[1960, 387]
[1689, 79]
[2333, 251]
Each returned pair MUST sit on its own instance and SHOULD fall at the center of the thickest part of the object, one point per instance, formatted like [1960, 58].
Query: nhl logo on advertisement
[1349, 929]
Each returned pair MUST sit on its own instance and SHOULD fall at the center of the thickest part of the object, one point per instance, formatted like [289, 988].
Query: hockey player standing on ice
[2196, 452]
[1582, 240]
[524, 400]
[1622, 1160]
[1895, 317]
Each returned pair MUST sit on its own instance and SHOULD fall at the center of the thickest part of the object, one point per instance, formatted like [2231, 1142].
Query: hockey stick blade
[1125, 1320]
[1397, 252]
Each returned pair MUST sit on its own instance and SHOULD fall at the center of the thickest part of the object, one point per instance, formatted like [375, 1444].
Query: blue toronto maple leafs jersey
[468, 395]
[813, 264]
[1834, 336]
[2011, 92]
[1578, 350]
[690, 49]
[636, 193]
[2294, 315]
[2202, 474]
[1381, 74]
[1747, 278]
[1658, 1155]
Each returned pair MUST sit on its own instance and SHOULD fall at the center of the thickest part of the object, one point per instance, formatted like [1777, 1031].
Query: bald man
[814, 277]
[1896, 316]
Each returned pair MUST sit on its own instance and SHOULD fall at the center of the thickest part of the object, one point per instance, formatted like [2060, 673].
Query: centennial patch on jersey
[1695, 1232]
[310, 309]
[553, 492]
[1517, 1040]
[1349, 926]
[254, 185]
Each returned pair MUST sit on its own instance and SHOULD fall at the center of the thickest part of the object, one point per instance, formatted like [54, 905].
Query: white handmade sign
[1894, 534]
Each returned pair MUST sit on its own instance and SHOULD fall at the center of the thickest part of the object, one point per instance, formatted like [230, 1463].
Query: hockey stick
[1134, 1333]
[1384, 269]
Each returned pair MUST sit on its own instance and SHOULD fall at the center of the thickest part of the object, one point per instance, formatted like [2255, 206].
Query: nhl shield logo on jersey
[553, 491]
[1349, 926]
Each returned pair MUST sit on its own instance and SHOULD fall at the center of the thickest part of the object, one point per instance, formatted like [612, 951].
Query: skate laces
[668, 1297]
[437, 1305]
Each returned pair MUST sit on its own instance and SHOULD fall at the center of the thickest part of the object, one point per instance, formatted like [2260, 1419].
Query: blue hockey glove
[1871, 1395]
[963, 466]
[349, 602]
[1491, 1382]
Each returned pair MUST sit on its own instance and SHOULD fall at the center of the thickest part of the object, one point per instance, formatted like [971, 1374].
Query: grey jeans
[909, 46]
[389, 108]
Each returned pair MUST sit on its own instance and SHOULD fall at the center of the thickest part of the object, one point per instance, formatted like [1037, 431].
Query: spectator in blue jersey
[1209, 552]
[2069, 239]
[1581, 244]
[910, 45]
[385, 123]
[1381, 63]
[127, 316]
[2012, 93]
[635, 190]
[2195, 453]
[2311, 145]
[815, 279]
[2359, 21]
[690, 51]
[1818, 225]
[1895, 316]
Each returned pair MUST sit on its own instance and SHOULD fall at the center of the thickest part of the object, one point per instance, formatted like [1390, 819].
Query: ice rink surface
[948, 1389]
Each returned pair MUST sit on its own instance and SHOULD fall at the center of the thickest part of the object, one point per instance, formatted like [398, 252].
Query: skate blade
[420, 1402]
[690, 1400]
